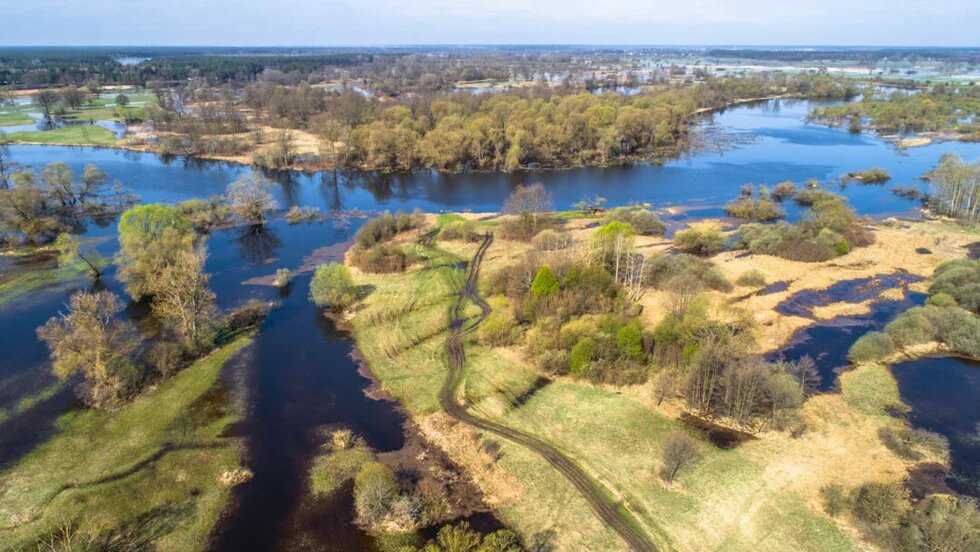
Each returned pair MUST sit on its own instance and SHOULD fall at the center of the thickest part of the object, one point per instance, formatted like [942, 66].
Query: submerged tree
[151, 237]
[182, 300]
[251, 198]
[72, 253]
[89, 339]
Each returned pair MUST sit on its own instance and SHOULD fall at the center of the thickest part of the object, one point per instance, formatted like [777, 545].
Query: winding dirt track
[611, 513]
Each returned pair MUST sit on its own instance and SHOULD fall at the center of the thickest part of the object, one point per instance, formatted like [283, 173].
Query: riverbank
[733, 498]
[169, 447]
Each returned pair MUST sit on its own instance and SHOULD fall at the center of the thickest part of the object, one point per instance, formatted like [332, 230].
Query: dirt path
[611, 513]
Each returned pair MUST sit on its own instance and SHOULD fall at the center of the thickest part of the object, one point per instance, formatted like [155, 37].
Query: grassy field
[15, 118]
[763, 495]
[78, 135]
[143, 477]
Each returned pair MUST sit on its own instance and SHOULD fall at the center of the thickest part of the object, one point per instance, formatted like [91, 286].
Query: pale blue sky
[378, 22]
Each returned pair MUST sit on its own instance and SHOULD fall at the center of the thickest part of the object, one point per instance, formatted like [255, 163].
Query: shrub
[551, 240]
[545, 283]
[907, 442]
[581, 355]
[911, 328]
[629, 340]
[870, 176]
[499, 329]
[879, 503]
[464, 230]
[751, 278]
[871, 346]
[940, 522]
[166, 358]
[385, 227]
[383, 259]
[296, 214]
[836, 499]
[663, 269]
[941, 299]
[283, 277]
[959, 279]
[332, 286]
[677, 452]
[375, 490]
[702, 240]
[784, 190]
[247, 315]
[755, 209]
[643, 221]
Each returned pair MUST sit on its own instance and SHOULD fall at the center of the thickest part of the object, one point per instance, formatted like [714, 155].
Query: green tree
[182, 300]
[71, 253]
[151, 237]
[332, 286]
[545, 283]
[89, 339]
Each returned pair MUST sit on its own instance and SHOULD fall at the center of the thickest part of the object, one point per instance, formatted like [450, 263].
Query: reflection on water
[943, 392]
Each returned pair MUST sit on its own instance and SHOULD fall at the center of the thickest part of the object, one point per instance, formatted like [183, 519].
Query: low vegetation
[831, 228]
[869, 176]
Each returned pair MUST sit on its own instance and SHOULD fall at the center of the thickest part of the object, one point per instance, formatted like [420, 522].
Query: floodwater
[301, 378]
[943, 392]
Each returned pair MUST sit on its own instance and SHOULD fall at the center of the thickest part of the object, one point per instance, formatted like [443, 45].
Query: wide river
[299, 374]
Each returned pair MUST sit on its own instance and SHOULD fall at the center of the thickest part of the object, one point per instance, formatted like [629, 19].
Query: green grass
[77, 135]
[331, 469]
[16, 284]
[15, 118]
[28, 402]
[447, 218]
[146, 475]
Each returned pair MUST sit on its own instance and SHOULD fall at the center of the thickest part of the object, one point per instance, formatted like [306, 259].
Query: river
[301, 377]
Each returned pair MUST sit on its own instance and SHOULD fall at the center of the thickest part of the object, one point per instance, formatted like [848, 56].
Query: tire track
[610, 512]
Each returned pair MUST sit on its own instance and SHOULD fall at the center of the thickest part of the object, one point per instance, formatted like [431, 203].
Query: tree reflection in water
[257, 244]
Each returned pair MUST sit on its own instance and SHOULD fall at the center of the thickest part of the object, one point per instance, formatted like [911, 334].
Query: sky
[406, 22]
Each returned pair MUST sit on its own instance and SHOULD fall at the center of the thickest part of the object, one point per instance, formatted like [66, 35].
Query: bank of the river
[170, 448]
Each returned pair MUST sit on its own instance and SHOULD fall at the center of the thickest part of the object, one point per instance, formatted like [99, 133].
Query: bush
[582, 354]
[702, 240]
[941, 522]
[870, 176]
[296, 214]
[166, 358]
[499, 329]
[959, 279]
[941, 299]
[551, 240]
[879, 503]
[375, 490]
[247, 315]
[755, 209]
[283, 277]
[907, 442]
[385, 227]
[836, 499]
[545, 283]
[913, 327]
[784, 190]
[463, 230]
[870, 347]
[332, 286]
[643, 221]
[751, 278]
[663, 269]
[383, 259]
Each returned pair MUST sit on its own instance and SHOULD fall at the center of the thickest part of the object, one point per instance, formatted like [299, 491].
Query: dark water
[827, 343]
[781, 148]
[301, 378]
[943, 393]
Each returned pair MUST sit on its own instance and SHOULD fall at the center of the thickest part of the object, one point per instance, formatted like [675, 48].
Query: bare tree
[251, 198]
[678, 451]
